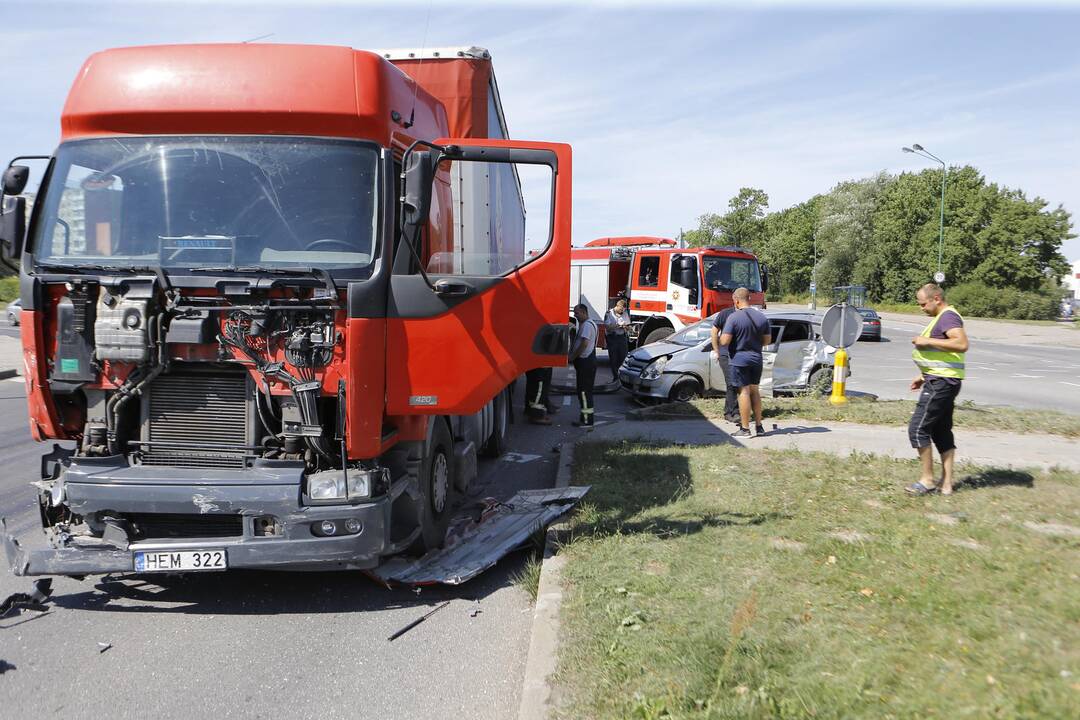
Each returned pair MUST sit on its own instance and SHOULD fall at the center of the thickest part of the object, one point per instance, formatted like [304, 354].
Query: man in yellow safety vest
[939, 355]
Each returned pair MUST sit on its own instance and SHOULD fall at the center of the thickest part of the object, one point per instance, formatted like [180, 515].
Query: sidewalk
[11, 362]
[981, 447]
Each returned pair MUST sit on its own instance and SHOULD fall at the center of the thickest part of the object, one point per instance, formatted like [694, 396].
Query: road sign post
[840, 328]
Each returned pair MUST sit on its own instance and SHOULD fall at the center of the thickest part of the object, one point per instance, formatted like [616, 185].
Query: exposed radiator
[197, 420]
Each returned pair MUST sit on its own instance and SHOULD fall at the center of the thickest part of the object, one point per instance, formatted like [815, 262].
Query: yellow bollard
[839, 378]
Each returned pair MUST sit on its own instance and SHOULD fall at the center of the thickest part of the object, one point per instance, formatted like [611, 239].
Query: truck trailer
[275, 298]
[666, 287]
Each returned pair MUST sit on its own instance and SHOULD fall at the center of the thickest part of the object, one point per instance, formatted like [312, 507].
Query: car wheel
[685, 390]
[820, 382]
[12, 320]
[658, 334]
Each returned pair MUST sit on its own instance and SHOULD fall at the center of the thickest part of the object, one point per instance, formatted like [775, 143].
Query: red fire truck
[666, 287]
[274, 299]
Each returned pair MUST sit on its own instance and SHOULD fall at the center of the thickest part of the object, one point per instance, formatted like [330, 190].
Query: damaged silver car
[680, 367]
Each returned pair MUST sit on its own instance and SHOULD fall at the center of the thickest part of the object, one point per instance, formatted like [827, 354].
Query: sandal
[917, 488]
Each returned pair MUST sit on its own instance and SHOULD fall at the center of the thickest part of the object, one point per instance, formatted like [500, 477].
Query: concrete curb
[5, 374]
[536, 692]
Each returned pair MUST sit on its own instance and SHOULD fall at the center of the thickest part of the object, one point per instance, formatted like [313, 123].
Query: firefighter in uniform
[939, 355]
[537, 390]
[583, 355]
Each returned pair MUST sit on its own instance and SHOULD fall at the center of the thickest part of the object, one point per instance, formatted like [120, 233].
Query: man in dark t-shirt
[720, 355]
[745, 333]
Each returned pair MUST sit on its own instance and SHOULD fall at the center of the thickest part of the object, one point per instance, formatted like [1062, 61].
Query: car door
[792, 352]
[768, 357]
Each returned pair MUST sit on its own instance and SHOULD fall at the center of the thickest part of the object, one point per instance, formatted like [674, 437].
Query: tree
[741, 225]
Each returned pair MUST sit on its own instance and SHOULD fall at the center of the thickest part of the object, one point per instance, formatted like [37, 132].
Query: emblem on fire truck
[674, 294]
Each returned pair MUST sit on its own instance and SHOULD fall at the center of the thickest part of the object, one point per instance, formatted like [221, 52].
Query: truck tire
[685, 390]
[436, 485]
[658, 334]
[500, 433]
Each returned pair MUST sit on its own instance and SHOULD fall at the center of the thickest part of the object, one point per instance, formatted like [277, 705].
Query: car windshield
[727, 273]
[207, 202]
[694, 334]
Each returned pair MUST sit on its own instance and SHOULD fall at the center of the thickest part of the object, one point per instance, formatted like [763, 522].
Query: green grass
[730, 583]
[528, 577]
[9, 288]
[879, 412]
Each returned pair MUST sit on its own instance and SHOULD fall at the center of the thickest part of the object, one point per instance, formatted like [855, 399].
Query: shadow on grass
[997, 477]
[631, 480]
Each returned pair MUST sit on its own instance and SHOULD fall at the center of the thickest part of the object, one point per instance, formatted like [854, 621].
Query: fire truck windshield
[728, 273]
[226, 202]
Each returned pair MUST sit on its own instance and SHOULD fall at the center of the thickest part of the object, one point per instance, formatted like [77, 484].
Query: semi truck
[275, 298]
[666, 287]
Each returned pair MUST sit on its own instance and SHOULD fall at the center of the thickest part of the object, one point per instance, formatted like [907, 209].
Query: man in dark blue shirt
[720, 355]
[746, 332]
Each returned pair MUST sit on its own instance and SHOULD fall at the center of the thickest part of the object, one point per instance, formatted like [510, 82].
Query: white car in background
[14, 311]
[680, 367]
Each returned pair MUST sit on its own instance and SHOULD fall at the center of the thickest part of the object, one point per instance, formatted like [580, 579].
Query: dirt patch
[1056, 529]
[785, 544]
[965, 543]
[876, 504]
[942, 519]
[654, 567]
[849, 536]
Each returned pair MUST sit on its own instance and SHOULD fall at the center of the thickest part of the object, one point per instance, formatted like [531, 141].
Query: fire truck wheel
[658, 334]
[436, 481]
[496, 444]
[685, 390]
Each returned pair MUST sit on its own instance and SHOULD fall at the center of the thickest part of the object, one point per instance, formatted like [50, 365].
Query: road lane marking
[1065, 382]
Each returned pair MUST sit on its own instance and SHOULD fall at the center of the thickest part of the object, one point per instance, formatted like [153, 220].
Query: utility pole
[813, 274]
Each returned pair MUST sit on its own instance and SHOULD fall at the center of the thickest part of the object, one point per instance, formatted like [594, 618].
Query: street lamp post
[813, 274]
[923, 152]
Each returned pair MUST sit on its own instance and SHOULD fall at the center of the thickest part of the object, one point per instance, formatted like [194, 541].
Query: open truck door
[472, 311]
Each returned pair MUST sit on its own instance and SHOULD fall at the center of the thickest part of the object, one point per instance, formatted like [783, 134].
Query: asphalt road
[1042, 377]
[260, 644]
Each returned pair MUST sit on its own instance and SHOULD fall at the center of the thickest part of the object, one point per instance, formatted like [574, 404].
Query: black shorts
[743, 375]
[933, 417]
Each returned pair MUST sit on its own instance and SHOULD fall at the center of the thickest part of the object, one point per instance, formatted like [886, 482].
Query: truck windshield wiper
[100, 268]
[318, 273]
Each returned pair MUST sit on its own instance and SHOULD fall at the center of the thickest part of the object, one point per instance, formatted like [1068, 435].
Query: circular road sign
[841, 326]
[939, 277]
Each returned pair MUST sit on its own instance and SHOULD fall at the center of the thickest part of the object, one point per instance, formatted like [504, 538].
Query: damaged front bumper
[255, 515]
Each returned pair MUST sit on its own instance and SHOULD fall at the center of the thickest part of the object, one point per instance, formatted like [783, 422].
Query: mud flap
[507, 527]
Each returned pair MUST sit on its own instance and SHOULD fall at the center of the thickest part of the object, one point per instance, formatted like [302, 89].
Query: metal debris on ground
[417, 621]
[502, 528]
[5, 666]
[33, 600]
[102, 647]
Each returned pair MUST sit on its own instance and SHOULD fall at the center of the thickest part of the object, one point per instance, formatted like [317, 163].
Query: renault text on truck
[666, 287]
[274, 299]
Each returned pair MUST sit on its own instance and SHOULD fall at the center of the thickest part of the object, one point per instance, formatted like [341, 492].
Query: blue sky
[670, 107]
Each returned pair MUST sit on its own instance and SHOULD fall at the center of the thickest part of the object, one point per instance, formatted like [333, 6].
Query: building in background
[1072, 283]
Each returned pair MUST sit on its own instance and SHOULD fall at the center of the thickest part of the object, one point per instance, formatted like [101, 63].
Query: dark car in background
[871, 325]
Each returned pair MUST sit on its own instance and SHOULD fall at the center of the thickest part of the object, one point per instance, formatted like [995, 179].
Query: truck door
[648, 284]
[491, 303]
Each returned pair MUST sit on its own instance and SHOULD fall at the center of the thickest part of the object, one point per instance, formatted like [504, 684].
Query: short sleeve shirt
[588, 332]
[746, 328]
[949, 320]
[719, 322]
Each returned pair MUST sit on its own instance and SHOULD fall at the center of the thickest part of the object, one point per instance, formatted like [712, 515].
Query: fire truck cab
[666, 287]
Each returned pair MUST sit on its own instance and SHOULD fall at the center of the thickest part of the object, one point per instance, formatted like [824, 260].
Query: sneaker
[742, 432]
[759, 431]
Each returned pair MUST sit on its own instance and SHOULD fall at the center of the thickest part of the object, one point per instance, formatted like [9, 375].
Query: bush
[9, 288]
[979, 300]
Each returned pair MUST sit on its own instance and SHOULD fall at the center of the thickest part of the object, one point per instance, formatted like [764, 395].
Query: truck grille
[634, 365]
[187, 410]
[150, 526]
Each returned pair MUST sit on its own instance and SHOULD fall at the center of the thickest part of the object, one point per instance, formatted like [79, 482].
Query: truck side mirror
[12, 230]
[416, 191]
[764, 278]
[15, 178]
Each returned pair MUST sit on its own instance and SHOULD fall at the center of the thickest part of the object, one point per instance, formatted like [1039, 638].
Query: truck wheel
[496, 444]
[658, 334]
[436, 483]
[685, 390]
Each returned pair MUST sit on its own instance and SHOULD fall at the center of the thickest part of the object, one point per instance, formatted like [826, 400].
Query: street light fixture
[923, 152]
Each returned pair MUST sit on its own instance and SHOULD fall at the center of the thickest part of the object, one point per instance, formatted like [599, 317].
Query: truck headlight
[326, 486]
[360, 482]
[653, 369]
